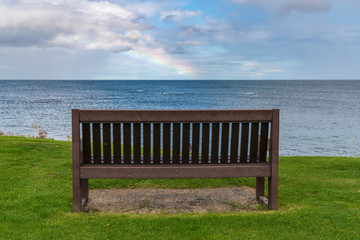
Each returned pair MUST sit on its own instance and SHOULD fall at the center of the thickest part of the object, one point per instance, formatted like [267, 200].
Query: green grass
[318, 196]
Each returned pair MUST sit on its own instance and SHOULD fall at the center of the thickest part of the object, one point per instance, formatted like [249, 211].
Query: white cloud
[190, 43]
[178, 15]
[287, 6]
[71, 24]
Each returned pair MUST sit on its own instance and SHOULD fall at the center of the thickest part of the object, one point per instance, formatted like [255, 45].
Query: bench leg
[76, 195]
[80, 193]
[84, 191]
[273, 193]
[260, 183]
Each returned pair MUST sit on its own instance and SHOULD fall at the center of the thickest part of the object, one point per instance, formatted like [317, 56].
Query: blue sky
[229, 39]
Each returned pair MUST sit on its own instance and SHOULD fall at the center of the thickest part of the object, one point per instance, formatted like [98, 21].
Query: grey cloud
[21, 37]
[305, 6]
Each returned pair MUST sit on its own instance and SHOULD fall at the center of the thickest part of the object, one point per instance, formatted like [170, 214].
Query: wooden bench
[175, 144]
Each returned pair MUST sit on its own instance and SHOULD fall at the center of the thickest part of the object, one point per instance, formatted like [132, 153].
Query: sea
[317, 118]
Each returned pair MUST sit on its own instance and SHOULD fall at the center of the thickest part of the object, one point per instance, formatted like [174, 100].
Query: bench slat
[156, 142]
[176, 143]
[254, 142]
[127, 143]
[117, 142]
[169, 116]
[264, 141]
[166, 143]
[185, 143]
[86, 142]
[195, 143]
[107, 143]
[244, 142]
[175, 171]
[96, 143]
[234, 142]
[224, 142]
[147, 143]
[215, 143]
[137, 143]
[205, 143]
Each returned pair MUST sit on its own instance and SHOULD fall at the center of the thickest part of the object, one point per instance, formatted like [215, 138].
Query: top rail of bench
[228, 115]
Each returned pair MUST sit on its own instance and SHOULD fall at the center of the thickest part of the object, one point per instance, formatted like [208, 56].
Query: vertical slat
[166, 143]
[127, 143]
[156, 141]
[224, 142]
[185, 143]
[254, 142]
[274, 158]
[215, 143]
[117, 143]
[234, 142]
[147, 143]
[263, 141]
[195, 143]
[176, 143]
[205, 143]
[86, 143]
[244, 142]
[137, 143]
[107, 143]
[96, 143]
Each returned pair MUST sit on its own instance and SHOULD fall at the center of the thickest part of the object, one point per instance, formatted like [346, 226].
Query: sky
[179, 39]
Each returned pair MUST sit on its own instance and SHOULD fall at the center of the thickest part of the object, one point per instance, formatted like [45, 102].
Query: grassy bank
[318, 196]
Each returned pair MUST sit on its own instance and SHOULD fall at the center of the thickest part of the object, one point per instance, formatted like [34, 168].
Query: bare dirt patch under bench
[172, 200]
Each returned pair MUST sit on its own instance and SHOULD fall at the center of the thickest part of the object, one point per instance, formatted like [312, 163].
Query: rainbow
[160, 58]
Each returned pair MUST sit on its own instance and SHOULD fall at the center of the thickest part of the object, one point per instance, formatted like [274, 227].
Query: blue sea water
[316, 117]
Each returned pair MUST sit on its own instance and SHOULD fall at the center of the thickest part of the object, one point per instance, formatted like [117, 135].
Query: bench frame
[82, 172]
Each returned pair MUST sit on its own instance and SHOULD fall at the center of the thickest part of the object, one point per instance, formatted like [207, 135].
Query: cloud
[305, 6]
[190, 43]
[178, 15]
[70, 24]
[283, 7]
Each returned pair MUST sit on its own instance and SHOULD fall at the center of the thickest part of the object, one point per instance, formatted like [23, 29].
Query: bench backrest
[176, 136]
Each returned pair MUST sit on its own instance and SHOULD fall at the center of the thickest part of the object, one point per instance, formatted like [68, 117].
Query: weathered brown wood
[244, 142]
[106, 143]
[127, 143]
[117, 143]
[195, 143]
[168, 116]
[215, 143]
[185, 143]
[137, 143]
[254, 142]
[156, 142]
[134, 169]
[76, 161]
[274, 155]
[224, 142]
[263, 141]
[86, 143]
[205, 143]
[234, 142]
[260, 187]
[176, 143]
[176, 171]
[96, 143]
[166, 143]
[147, 143]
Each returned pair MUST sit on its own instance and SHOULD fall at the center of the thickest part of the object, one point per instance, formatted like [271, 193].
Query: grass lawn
[318, 197]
